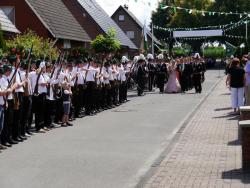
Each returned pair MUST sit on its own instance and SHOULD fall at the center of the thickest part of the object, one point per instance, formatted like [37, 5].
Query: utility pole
[246, 30]
[153, 49]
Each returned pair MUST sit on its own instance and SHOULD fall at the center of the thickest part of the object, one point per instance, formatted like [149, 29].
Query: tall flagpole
[246, 30]
[153, 49]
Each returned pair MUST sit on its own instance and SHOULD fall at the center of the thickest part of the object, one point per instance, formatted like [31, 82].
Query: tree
[42, 48]
[105, 44]
[180, 18]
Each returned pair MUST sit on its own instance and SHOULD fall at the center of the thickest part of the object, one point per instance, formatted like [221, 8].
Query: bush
[214, 52]
[42, 48]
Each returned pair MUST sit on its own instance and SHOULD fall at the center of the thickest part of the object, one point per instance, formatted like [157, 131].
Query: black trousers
[123, 91]
[77, 99]
[27, 107]
[18, 118]
[6, 134]
[104, 96]
[151, 79]
[197, 83]
[116, 92]
[108, 88]
[90, 97]
[49, 112]
[140, 87]
[39, 105]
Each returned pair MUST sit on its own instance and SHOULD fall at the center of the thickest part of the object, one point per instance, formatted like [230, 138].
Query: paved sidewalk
[208, 153]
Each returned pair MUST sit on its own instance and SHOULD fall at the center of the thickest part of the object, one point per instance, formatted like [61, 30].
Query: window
[131, 34]
[66, 44]
[121, 17]
[10, 13]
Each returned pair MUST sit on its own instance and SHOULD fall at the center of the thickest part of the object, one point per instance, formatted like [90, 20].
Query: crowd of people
[55, 93]
[238, 81]
[171, 75]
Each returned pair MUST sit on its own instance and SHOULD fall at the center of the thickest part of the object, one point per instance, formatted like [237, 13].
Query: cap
[42, 64]
[124, 59]
[150, 57]
[141, 58]
[160, 57]
[6, 68]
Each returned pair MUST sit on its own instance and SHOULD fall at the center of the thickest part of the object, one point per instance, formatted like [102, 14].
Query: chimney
[125, 6]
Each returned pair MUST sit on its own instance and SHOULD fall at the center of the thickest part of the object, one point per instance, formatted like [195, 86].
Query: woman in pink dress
[173, 85]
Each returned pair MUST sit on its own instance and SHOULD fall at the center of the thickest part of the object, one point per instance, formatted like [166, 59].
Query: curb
[174, 139]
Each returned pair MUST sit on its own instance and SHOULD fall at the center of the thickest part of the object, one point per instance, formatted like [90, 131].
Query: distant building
[96, 21]
[8, 28]
[49, 19]
[132, 27]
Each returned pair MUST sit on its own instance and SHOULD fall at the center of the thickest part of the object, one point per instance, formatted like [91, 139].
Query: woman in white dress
[173, 85]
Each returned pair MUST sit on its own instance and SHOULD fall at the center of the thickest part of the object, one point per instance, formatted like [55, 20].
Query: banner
[198, 33]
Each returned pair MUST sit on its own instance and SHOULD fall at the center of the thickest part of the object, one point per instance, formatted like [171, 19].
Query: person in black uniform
[161, 73]
[152, 71]
[141, 73]
[197, 74]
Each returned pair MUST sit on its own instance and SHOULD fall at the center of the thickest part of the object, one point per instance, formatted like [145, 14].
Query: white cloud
[139, 8]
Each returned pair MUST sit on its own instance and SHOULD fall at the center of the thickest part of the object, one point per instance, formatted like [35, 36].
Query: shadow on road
[222, 109]
[236, 174]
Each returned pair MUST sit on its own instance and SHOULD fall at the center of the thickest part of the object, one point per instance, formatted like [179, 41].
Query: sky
[142, 9]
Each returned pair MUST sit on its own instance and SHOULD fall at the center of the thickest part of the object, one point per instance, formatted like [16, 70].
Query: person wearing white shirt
[123, 84]
[3, 93]
[91, 72]
[79, 88]
[40, 93]
[50, 99]
[26, 101]
[115, 86]
[6, 136]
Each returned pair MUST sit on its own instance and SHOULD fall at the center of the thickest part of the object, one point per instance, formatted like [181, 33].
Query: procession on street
[56, 93]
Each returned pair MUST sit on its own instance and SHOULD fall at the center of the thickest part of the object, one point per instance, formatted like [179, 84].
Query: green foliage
[41, 47]
[106, 44]
[182, 50]
[168, 18]
[2, 41]
[214, 52]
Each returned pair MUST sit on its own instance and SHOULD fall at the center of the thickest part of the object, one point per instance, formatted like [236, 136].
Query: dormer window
[121, 18]
[10, 13]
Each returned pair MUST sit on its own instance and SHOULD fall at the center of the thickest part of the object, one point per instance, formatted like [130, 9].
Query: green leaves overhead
[106, 43]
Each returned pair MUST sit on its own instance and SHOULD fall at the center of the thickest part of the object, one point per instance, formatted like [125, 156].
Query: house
[8, 28]
[96, 21]
[132, 27]
[49, 19]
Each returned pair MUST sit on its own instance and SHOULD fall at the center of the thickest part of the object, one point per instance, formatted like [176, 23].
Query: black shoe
[12, 142]
[63, 125]
[7, 144]
[17, 140]
[23, 137]
[69, 124]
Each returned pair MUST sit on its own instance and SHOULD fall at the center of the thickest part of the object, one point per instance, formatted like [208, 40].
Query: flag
[144, 41]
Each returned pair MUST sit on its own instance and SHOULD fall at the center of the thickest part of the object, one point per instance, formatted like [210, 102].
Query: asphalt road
[110, 150]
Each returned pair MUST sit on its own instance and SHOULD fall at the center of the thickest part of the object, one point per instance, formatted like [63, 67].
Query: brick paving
[208, 153]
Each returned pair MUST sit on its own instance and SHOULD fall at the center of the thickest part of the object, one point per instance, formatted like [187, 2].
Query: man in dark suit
[152, 71]
[141, 75]
[161, 72]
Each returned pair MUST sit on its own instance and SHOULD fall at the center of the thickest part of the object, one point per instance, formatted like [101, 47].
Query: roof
[137, 22]
[58, 19]
[105, 22]
[6, 24]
